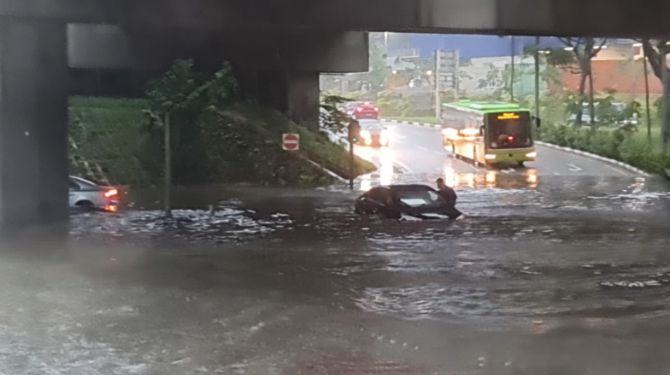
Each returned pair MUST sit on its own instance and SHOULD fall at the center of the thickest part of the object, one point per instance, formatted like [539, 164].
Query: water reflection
[384, 159]
[492, 179]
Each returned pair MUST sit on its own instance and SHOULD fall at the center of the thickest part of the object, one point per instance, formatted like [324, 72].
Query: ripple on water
[221, 225]
[440, 302]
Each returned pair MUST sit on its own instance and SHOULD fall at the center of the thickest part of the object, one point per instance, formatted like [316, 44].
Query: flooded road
[547, 275]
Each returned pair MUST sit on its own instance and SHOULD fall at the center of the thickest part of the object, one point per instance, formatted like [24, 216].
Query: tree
[656, 51]
[175, 102]
[330, 116]
[584, 50]
[379, 69]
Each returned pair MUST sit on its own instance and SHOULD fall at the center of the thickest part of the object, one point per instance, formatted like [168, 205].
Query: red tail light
[359, 109]
[111, 193]
[111, 208]
[510, 138]
[376, 109]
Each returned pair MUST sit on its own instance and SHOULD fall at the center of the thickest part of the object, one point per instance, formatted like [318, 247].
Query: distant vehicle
[489, 133]
[373, 133]
[88, 196]
[392, 202]
[618, 112]
[361, 110]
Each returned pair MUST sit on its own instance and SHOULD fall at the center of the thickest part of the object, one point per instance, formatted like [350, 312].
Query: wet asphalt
[550, 274]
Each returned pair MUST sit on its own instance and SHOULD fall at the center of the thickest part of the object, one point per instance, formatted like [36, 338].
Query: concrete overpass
[611, 18]
[286, 43]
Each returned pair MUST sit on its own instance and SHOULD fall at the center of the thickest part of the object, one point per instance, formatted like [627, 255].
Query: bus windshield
[509, 130]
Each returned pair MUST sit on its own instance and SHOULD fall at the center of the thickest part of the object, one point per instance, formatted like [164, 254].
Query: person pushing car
[449, 196]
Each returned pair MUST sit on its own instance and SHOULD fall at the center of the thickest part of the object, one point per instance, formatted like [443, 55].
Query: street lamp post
[511, 83]
[537, 77]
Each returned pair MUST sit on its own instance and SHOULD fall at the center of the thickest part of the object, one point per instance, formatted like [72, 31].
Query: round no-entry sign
[291, 142]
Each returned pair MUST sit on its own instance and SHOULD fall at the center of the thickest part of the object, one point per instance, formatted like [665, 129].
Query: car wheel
[85, 206]
[520, 164]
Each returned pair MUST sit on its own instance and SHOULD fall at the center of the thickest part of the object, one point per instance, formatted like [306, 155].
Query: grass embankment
[630, 148]
[242, 144]
[110, 132]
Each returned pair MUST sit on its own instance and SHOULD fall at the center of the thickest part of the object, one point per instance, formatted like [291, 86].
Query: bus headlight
[490, 157]
[449, 133]
[531, 155]
[470, 132]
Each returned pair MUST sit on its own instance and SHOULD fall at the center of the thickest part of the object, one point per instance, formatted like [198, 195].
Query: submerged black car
[392, 202]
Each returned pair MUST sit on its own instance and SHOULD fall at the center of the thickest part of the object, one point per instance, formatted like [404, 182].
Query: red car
[362, 110]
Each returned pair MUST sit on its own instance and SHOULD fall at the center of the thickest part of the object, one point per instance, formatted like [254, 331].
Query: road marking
[440, 153]
[619, 171]
[574, 168]
[423, 148]
[557, 174]
[403, 165]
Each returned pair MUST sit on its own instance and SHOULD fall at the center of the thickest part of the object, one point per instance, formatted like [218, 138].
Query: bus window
[509, 131]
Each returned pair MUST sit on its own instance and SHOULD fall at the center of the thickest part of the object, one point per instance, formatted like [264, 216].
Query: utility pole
[438, 100]
[666, 93]
[511, 81]
[457, 60]
[646, 89]
[537, 77]
[354, 130]
[168, 167]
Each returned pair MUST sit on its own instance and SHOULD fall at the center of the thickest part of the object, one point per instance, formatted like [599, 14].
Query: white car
[86, 195]
[373, 133]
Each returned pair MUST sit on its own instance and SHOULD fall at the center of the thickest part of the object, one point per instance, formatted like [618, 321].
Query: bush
[617, 145]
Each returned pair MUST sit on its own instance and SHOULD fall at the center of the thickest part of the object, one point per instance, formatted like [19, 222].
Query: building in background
[618, 69]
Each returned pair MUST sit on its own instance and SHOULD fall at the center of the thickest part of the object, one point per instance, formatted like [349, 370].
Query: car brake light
[510, 138]
[359, 109]
[111, 208]
[376, 109]
[111, 193]
[367, 103]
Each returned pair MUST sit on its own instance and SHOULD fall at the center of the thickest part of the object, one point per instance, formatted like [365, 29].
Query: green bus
[489, 133]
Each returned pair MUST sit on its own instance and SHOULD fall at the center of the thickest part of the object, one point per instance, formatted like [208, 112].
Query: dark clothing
[450, 197]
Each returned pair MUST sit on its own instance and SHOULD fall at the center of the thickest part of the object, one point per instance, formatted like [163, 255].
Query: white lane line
[423, 148]
[440, 153]
[557, 174]
[403, 165]
[574, 168]
[617, 170]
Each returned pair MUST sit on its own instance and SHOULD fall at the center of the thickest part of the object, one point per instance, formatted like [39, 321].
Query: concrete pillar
[303, 96]
[33, 128]
[296, 94]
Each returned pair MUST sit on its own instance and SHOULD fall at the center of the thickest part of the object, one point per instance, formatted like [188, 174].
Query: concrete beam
[606, 18]
[113, 47]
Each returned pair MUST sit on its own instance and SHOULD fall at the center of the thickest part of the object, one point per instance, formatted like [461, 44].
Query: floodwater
[547, 275]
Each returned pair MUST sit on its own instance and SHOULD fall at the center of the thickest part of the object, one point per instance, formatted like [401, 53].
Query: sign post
[291, 142]
[354, 133]
[447, 64]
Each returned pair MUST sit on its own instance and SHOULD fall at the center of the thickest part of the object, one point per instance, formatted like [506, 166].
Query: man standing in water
[449, 196]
